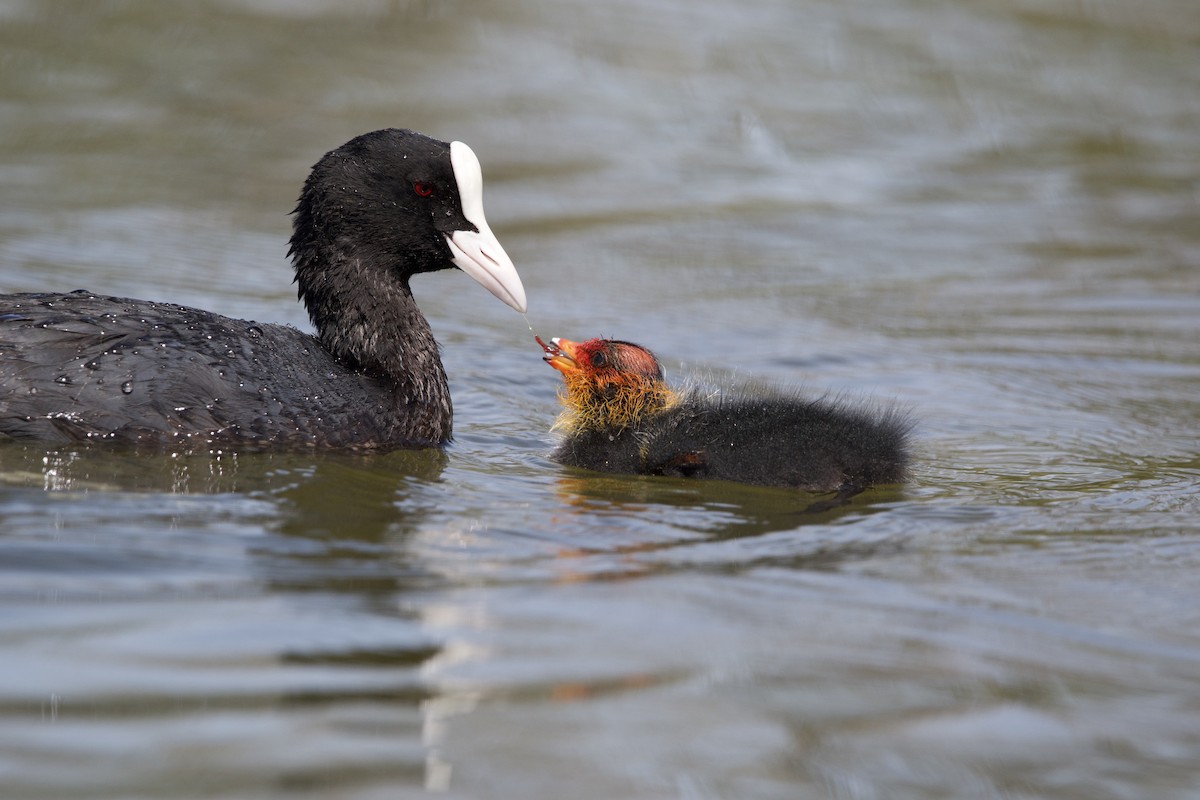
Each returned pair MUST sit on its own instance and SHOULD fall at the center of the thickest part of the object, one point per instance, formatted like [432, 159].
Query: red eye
[423, 189]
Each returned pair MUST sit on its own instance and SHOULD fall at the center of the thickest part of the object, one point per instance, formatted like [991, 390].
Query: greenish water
[984, 211]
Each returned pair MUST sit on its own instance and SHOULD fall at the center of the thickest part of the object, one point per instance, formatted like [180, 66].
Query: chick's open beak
[560, 354]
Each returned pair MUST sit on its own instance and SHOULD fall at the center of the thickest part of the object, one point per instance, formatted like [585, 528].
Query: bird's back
[775, 439]
[78, 366]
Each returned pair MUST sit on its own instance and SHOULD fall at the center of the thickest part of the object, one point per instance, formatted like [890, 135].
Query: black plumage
[620, 416]
[381, 208]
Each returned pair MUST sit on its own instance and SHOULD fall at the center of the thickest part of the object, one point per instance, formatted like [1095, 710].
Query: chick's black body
[374, 212]
[620, 417]
[812, 444]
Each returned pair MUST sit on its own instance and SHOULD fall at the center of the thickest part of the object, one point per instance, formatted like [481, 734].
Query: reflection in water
[101, 467]
[104, 468]
[328, 540]
[343, 521]
[724, 512]
[615, 530]
[446, 703]
[356, 498]
[342, 530]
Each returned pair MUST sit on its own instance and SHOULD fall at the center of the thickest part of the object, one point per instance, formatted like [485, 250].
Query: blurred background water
[986, 211]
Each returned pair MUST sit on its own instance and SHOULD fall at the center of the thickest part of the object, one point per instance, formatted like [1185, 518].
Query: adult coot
[620, 416]
[373, 213]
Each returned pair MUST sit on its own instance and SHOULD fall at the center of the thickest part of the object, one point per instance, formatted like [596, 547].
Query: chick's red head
[603, 361]
[607, 382]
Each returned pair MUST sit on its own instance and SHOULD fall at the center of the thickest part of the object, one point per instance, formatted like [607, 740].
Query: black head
[397, 203]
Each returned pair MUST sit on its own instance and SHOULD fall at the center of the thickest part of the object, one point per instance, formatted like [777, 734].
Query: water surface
[985, 212]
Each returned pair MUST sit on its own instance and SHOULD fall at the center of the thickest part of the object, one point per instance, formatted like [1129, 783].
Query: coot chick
[374, 212]
[620, 416]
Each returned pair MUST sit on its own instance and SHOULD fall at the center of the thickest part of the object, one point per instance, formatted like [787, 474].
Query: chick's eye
[598, 359]
[422, 189]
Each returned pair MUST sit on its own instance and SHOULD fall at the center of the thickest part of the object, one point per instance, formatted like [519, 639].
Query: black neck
[365, 315]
